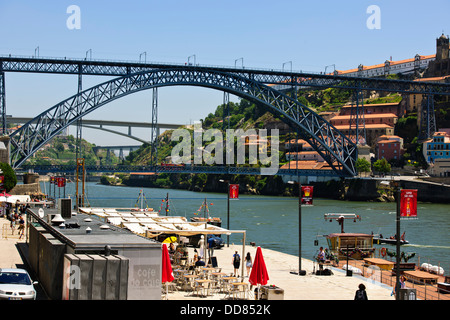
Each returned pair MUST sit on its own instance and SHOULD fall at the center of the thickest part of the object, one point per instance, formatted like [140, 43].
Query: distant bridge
[99, 125]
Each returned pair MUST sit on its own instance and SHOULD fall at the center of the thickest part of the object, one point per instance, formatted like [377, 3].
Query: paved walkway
[337, 286]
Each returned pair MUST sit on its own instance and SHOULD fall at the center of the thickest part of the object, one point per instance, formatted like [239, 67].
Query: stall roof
[144, 222]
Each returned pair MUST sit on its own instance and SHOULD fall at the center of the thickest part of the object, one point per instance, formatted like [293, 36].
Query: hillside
[62, 150]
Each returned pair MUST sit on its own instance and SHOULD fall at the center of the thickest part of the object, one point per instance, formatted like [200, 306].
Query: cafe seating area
[206, 281]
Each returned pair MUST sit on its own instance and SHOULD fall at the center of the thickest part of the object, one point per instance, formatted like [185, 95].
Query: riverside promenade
[337, 286]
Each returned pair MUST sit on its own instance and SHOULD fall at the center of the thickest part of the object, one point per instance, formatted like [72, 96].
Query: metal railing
[424, 290]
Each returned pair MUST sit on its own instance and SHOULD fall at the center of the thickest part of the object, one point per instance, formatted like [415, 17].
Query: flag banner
[234, 191]
[61, 181]
[408, 203]
[2, 181]
[307, 195]
[52, 180]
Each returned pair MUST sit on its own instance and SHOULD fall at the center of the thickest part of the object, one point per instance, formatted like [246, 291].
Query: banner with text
[307, 195]
[408, 203]
[234, 191]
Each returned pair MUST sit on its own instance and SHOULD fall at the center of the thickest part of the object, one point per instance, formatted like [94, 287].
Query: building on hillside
[440, 168]
[375, 125]
[389, 147]
[376, 108]
[406, 66]
[413, 102]
[304, 156]
[440, 66]
[438, 147]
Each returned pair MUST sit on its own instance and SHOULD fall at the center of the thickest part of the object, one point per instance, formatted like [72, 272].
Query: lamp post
[300, 271]
[228, 208]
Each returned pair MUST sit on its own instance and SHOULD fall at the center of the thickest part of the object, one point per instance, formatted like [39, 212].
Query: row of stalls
[150, 224]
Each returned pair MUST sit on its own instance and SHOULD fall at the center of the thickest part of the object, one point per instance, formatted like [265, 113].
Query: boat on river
[356, 246]
[215, 221]
[379, 239]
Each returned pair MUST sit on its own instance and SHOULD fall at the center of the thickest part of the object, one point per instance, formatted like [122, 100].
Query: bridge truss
[254, 85]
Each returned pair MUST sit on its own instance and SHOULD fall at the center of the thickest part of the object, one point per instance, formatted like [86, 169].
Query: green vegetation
[10, 179]
[62, 150]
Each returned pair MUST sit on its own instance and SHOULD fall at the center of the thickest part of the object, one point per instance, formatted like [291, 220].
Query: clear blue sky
[266, 34]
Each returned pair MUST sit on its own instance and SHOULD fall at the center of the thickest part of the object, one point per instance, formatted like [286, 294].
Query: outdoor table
[243, 285]
[207, 270]
[190, 279]
[202, 283]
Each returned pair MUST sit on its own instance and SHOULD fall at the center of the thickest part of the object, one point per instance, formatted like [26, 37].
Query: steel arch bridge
[332, 145]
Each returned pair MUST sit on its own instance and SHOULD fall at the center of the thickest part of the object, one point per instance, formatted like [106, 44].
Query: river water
[272, 222]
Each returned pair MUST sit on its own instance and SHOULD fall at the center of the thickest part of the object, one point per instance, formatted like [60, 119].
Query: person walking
[248, 263]
[236, 263]
[361, 293]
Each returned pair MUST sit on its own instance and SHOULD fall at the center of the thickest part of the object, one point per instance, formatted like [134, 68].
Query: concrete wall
[95, 277]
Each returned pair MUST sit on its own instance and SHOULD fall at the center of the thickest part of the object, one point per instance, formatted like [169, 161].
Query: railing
[424, 290]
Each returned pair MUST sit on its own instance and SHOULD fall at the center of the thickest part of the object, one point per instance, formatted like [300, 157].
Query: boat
[356, 246]
[379, 239]
[215, 221]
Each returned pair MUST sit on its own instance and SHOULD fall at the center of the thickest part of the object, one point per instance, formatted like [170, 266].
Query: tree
[382, 166]
[10, 179]
[362, 165]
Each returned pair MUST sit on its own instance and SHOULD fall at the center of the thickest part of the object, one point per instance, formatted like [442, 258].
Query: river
[272, 222]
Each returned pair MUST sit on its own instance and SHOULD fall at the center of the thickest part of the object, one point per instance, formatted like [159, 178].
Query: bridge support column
[155, 129]
[79, 152]
[2, 101]
[427, 122]
[357, 128]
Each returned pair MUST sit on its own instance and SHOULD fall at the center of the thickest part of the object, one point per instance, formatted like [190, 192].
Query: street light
[300, 271]
[228, 208]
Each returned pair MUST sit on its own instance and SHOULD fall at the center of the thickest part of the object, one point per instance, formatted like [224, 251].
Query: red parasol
[4, 194]
[166, 274]
[259, 273]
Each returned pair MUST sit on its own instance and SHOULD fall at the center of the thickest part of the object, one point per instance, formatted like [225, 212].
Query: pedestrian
[361, 293]
[21, 228]
[236, 263]
[321, 258]
[248, 263]
[211, 245]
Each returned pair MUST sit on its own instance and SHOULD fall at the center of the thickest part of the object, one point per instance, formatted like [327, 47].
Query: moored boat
[356, 246]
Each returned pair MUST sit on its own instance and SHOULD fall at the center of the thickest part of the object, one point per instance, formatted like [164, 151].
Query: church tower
[442, 48]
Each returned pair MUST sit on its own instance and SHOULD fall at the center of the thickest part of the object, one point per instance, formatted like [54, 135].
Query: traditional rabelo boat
[215, 221]
[352, 245]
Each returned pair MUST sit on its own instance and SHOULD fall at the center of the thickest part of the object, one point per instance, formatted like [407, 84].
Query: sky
[307, 35]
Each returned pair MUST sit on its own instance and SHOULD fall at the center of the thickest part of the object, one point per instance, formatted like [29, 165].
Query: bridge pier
[2, 100]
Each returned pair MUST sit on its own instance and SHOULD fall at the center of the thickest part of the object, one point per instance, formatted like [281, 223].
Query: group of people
[236, 261]
[15, 215]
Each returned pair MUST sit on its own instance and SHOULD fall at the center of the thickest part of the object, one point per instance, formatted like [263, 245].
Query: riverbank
[351, 189]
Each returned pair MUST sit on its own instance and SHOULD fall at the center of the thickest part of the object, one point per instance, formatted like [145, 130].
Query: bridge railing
[55, 169]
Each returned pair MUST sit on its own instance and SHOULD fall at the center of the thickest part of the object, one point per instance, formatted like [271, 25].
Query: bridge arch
[332, 145]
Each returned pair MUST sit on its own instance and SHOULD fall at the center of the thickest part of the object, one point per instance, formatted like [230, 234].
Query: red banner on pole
[234, 191]
[307, 195]
[61, 181]
[2, 181]
[408, 203]
[52, 180]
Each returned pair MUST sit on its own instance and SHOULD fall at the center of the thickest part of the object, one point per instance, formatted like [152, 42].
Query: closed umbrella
[258, 275]
[166, 273]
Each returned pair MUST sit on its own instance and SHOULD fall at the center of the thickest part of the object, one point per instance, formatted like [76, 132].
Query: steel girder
[333, 146]
[276, 77]
[44, 169]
